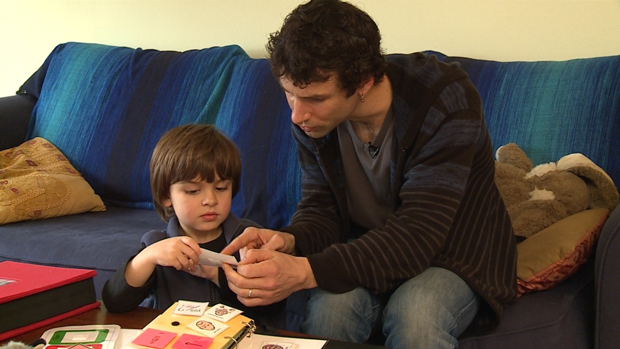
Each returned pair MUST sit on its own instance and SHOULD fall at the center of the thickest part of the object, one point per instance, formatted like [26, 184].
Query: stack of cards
[213, 322]
[190, 325]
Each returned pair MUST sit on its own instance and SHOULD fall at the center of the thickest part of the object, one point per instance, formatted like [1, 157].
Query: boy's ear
[166, 202]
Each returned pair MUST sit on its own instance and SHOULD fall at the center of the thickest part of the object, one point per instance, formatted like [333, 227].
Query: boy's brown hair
[188, 152]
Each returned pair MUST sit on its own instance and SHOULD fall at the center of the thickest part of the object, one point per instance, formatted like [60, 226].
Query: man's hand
[255, 238]
[270, 276]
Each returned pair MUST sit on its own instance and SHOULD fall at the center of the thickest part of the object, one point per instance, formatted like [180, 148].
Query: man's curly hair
[323, 37]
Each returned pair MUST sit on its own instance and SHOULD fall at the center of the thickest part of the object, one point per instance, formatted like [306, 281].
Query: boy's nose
[209, 199]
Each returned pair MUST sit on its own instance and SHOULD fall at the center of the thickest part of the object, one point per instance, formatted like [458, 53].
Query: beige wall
[491, 29]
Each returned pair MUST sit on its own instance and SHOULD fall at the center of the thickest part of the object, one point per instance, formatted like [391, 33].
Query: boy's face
[201, 206]
[320, 106]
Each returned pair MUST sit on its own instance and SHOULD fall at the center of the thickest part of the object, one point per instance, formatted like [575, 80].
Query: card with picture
[208, 327]
[222, 312]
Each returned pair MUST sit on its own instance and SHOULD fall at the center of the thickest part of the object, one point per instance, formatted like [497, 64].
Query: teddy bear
[537, 197]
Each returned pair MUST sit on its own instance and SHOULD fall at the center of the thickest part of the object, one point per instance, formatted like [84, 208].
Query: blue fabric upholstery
[105, 108]
[551, 109]
[256, 117]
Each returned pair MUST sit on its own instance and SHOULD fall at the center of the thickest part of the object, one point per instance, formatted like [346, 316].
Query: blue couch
[105, 108]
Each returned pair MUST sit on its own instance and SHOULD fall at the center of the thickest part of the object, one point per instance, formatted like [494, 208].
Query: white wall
[491, 29]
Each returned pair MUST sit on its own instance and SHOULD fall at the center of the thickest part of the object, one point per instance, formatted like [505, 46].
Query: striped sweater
[447, 211]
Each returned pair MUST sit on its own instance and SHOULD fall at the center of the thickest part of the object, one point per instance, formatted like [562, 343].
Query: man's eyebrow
[314, 96]
[317, 96]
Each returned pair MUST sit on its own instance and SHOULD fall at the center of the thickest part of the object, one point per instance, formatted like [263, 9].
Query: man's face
[320, 106]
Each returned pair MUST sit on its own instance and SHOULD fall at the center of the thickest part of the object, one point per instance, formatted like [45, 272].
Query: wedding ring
[250, 293]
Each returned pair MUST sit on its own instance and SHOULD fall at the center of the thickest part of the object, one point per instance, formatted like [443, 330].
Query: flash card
[215, 259]
[222, 312]
[191, 308]
[278, 345]
[154, 338]
[208, 327]
[188, 341]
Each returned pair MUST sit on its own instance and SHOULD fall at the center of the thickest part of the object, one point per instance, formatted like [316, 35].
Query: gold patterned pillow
[555, 253]
[37, 181]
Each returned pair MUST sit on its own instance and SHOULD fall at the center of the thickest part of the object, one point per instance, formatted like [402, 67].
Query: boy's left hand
[207, 272]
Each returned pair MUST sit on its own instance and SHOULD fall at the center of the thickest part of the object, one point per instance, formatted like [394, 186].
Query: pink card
[154, 338]
[188, 341]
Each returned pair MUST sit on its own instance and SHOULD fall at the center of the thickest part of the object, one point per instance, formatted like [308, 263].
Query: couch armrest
[607, 284]
[14, 117]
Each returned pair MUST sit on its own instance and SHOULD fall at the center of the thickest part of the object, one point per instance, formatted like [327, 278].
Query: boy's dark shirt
[167, 285]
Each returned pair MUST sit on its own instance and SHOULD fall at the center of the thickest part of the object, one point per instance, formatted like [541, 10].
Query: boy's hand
[207, 272]
[180, 253]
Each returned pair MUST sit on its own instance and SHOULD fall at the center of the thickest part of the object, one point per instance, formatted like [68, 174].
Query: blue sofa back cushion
[256, 116]
[552, 108]
[106, 107]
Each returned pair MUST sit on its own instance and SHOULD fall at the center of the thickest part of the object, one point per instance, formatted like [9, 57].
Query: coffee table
[137, 319]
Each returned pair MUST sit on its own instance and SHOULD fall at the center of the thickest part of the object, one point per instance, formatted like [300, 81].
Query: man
[400, 223]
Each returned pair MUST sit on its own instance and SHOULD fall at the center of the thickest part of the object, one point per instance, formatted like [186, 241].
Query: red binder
[33, 295]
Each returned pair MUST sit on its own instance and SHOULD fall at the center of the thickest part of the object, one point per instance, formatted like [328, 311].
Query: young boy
[195, 173]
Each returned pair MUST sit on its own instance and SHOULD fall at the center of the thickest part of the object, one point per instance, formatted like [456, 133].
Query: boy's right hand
[180, 253]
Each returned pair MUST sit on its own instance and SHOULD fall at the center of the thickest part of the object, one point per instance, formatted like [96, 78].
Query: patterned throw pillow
[37, 181]
[555, 253]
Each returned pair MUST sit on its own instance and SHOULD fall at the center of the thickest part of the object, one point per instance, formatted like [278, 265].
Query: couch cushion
[561, 317]
[552, 108]
[102, 241]
[607, 283]
[120, 101]
[256, 115]
[105, 108]
[37, 181]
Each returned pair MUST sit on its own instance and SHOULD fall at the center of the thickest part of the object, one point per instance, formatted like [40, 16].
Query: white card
[215, 259]
[222, 312]
[191, 308]
[208, 327]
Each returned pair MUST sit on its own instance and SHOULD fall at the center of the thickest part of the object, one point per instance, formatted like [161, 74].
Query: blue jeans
[428, 311]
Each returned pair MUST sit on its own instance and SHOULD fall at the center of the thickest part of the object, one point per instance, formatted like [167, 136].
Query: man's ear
[366, 86]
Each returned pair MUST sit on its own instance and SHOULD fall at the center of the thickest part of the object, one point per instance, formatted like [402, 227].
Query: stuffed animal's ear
[513, 155]
[603, 192]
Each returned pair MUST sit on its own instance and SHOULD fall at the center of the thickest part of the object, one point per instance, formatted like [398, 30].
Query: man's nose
[299, 112]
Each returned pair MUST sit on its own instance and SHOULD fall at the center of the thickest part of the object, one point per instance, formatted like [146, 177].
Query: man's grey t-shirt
[367, 173]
